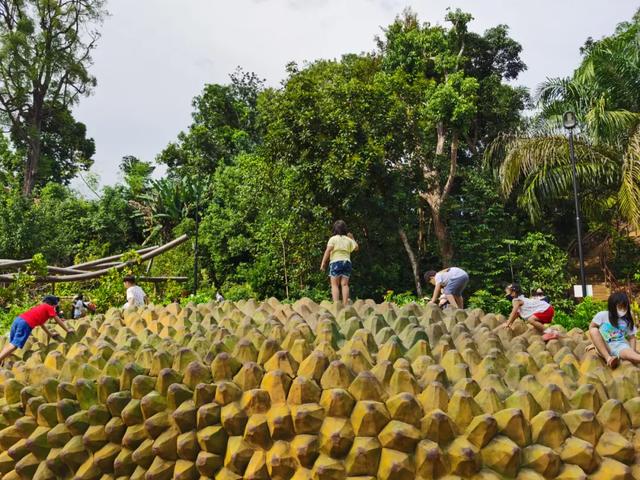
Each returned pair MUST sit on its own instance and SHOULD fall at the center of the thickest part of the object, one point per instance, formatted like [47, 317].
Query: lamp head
[569, 120]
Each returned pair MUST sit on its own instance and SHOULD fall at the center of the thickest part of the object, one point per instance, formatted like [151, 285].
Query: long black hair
[615, 299]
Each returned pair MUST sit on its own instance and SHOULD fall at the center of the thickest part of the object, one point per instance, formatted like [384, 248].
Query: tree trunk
[31, 165]
[422, 234]
[441, 137]
[412, 260]
[442, 235]
[284, 263]
[34, 147]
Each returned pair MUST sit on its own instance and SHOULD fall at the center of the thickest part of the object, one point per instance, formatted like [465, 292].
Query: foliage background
[266, 171]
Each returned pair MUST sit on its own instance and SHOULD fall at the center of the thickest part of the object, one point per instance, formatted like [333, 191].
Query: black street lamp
[569, 121]
[195, 247]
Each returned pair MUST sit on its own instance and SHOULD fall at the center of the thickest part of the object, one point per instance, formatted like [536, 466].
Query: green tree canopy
[450, 83]
[45, 55]
[224, 125]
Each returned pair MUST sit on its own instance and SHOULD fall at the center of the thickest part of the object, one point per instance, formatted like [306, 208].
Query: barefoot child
[613, 331]
[537, 313]
[24, 324]
[338, 253]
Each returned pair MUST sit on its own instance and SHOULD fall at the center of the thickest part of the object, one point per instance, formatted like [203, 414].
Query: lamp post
[569, 121]
[195, 247]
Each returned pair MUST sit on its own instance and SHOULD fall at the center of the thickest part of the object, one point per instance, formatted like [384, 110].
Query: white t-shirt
[452, 273]
[609, 332]
[79, 309]
[531, 306]
[135, 297]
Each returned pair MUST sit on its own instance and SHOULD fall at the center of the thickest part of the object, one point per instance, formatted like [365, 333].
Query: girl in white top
[537, 313]
[613, 331]
[135, 295]
[79, 307]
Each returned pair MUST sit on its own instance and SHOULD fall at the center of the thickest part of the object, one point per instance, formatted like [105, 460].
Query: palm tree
[168, 201]
[604, 92]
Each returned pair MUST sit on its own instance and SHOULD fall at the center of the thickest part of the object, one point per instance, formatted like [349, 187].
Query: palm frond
[629, 194]
[609, 126]
[541, 168]
[550, 185]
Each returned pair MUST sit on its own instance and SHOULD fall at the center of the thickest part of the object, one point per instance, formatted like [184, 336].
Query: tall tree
[224, 125]
[444, 77]
[137, 174]
[65, 148]
[45, 55]
[338, 127]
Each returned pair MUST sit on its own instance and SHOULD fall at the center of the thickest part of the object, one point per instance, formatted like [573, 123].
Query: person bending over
[537, 313]
[613, 331]
[451, 281]
[24, 324]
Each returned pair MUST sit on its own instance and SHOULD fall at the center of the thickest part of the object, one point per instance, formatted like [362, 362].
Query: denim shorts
[617, 347]
[341, 268]
[20, 332]
[455, 286]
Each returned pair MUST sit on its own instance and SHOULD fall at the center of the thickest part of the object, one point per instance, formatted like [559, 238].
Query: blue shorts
[341, 268]
[455, 286]
[20, 332]
[617, 347]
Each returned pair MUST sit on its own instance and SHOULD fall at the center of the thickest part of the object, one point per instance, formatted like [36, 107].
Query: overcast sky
[156, 55]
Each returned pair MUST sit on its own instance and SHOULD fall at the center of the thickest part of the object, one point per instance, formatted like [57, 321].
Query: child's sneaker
[550, 334]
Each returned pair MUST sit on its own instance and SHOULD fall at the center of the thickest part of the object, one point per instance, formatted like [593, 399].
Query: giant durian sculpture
[261, 391]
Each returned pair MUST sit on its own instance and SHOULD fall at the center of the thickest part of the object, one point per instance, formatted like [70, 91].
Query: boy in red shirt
[24, 323]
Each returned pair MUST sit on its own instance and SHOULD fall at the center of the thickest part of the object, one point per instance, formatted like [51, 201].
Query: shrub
[403, 298]
[582, 315]
[489, 303]
[235, 292]
[317, 294]
[538, 262]
[200, 297]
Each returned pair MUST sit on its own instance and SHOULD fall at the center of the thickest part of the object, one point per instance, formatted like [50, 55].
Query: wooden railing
[609, 278]
[613, 284]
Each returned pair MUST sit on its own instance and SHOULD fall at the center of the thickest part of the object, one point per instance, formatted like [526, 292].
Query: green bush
[489, 303]
[317, 294]
[239, 292]
[403, 298]
[200, 297]
[8, 315]
[582, 315]
[539, 263]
